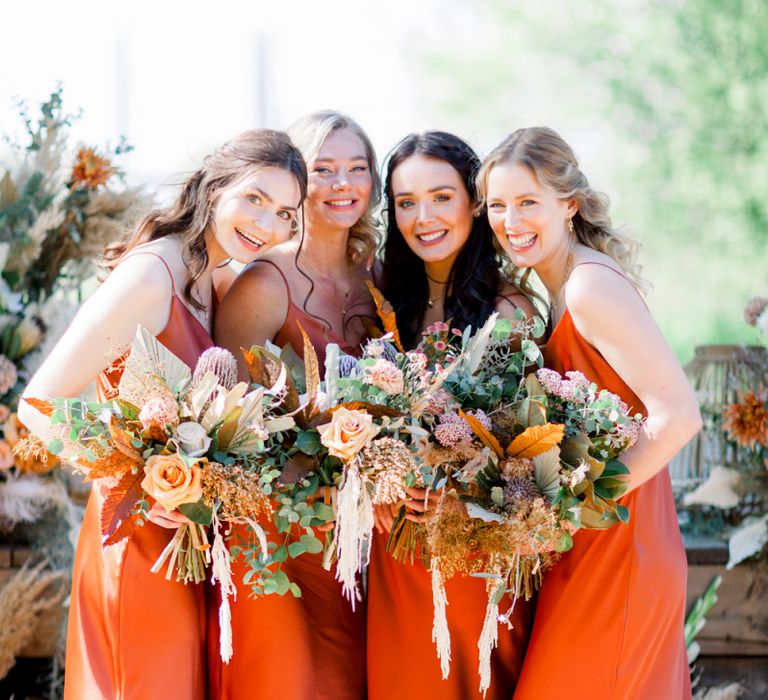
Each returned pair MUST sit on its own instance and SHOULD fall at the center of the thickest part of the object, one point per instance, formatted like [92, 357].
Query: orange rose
[348, 432]
[171, 482]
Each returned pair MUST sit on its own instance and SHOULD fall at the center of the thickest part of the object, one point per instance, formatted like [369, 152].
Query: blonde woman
[132, 634]
[313, 646]
[609, 617]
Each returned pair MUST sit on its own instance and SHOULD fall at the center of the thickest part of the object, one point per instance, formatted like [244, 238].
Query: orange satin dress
[402, 658]
[308, 648]
[609, 619]
[132, 634]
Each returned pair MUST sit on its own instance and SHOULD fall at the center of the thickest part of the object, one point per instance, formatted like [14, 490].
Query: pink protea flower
[161, 410]
[386, 376]
[8, 375]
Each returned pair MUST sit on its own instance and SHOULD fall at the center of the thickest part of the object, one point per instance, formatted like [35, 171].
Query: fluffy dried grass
[29, 594]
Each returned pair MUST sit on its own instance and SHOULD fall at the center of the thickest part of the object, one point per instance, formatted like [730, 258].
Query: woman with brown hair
[604, 627]
[316, 281]
[132, 633]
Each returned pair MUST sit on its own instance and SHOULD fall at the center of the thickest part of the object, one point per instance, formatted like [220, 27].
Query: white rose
[193, 439]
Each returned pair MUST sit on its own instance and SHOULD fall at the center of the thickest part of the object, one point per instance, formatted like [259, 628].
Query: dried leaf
[45, 407]
[228, 430]
[386, 314]
[122, 440]
[117, 519]
[8, 192]
[576, 449]
[536, 440]
[531, 412]
[114, 464]
[485, 435]
[312, 372]
[296, 469]
[265, 369]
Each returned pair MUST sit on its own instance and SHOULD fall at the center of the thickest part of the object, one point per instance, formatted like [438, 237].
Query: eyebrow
[333, 160]
[268, 198]
[429, 191]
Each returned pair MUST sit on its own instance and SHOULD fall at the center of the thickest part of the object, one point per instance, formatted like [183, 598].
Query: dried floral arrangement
[170, 440]
[742, 491]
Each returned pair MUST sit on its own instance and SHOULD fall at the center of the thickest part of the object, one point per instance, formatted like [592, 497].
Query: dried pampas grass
[28, 594]
[23, 499]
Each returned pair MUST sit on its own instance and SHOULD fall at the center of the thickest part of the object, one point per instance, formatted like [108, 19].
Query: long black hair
[475, 280]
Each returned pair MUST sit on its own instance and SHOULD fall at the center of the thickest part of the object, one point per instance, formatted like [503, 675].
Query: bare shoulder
[510, 299]
[139, 278]
[598, 282]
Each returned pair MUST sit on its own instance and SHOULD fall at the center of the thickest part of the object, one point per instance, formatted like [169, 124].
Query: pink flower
[386, 376]
[453, 429]
[550, 380]
[440, 346]
[161, 410]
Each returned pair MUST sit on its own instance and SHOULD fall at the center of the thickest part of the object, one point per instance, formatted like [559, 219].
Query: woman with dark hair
[618, 593]
[132, 633]
[315, 282]
[440, 264]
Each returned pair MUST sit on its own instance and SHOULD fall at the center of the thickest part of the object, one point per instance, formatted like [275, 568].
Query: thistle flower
[219, 361]
[90, 170]
[347, 365]
[8, 375]
[519, 495]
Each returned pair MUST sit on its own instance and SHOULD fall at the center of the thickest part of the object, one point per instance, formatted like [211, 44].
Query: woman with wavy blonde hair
[132, 634]
[604, 595]
[315, 282]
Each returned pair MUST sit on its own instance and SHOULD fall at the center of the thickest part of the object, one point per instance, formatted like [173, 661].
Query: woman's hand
[169, 519]
[326, 494]
[419, 504]
[384, 516]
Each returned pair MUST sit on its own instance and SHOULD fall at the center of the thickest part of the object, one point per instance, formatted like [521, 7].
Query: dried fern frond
[30, 592]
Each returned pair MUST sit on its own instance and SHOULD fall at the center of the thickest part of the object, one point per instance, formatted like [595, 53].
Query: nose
[510, 218]
[342, 181]
[425, 214]
[266, 223]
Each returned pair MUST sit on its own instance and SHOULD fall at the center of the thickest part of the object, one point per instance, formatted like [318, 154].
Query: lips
[432, 237]
[248, 240]
[341, 204]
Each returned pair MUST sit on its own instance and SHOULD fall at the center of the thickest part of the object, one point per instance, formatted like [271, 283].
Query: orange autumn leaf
[45, 407]
[114, 464]
[386, 314]
[117, 520]
[536, 440]
[485, 435]
[312, 371]
[123, 441]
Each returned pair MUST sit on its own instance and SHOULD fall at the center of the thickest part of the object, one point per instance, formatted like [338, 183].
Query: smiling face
[433, 210]
[340, 182]
[529, 220]
[253, 214]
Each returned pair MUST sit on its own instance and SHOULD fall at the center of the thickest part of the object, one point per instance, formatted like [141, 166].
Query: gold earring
[570, 225]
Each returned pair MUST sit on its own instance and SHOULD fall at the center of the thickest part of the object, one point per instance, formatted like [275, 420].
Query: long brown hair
[191, 215]
[554, 165]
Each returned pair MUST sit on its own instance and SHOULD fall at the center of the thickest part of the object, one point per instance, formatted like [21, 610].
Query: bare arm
[252, 312]
[611, 316]
[137, 292]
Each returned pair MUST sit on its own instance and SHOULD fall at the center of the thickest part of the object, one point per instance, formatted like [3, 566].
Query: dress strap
[281, 273]
[618, 272]
[160, 258]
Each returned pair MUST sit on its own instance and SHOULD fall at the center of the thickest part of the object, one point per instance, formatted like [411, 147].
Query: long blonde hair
[309, 133]
[555, 166]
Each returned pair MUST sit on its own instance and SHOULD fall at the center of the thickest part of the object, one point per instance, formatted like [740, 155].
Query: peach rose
[348, 432]
[171, 482]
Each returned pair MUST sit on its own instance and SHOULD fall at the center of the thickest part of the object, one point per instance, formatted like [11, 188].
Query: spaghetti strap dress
[609, 617]
[132, 634]
[307, 648]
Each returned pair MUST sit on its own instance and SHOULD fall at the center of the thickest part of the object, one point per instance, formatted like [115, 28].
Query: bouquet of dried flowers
[181, 442]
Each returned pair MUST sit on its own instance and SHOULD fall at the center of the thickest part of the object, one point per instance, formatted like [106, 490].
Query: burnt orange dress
[308, 648]
[132, 634]
[402, 660]
[609, 619]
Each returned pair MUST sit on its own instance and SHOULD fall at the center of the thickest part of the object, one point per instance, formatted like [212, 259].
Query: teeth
[250, 239]
[522, 241]
[341, 203]
[431, 236]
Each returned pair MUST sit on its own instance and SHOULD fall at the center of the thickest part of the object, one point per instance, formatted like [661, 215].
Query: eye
[253, 198]
[284, 215]
[321, 170]
[496, 205]
[527, 203]
[406, 203]
[359, 168]
[442, 198]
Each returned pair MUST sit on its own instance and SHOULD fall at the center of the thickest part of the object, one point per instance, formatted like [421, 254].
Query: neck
[438, 272]
[552, 272]
[326, 252]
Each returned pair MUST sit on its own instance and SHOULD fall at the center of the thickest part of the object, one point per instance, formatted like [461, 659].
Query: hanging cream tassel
[354, 528]
[489, 638]
[221, 571]
[441, 635]
[171, 550]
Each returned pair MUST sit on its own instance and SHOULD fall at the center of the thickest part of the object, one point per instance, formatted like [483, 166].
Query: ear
[573, 207]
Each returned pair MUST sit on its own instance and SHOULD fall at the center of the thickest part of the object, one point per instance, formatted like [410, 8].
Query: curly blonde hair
[309, 133]
[555, 166]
